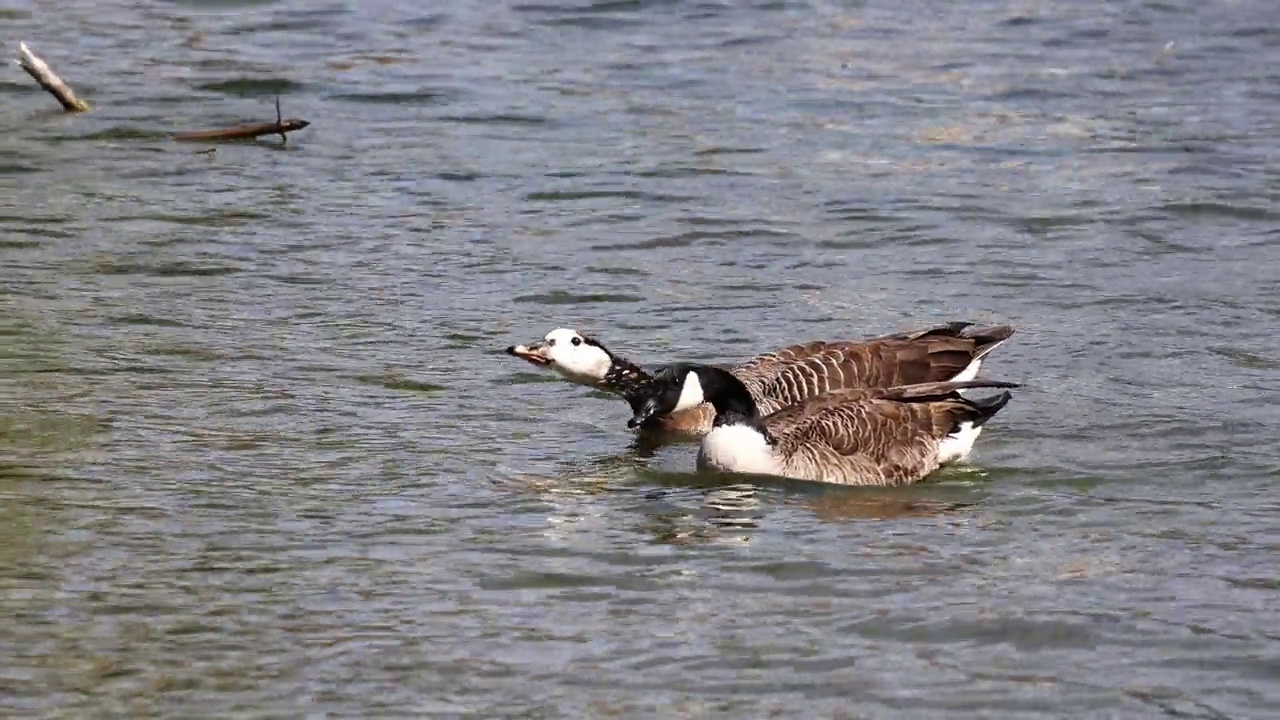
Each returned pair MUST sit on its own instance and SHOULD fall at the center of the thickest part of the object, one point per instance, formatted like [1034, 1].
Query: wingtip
[997, 384]
[979, 383]
[990, 333]
[988, 407]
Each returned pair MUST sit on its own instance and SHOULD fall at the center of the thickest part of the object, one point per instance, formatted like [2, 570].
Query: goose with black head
[865, 436]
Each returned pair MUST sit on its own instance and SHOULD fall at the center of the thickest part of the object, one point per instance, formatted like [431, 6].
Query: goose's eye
[551, 342]
[576, 341]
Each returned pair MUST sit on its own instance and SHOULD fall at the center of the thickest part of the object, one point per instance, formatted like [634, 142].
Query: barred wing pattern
[784, 420]
[877, 442]
[799, 372]
[872, 436]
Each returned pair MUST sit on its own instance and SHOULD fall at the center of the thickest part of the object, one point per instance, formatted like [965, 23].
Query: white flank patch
[957, 445]
[690, 394]
[970, 372]
[739, 449]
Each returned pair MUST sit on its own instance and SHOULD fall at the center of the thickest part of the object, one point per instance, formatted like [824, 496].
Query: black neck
[732, 401]
[628, 380]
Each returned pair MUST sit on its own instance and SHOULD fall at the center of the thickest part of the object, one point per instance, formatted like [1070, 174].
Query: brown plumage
[865, 436]
[894, 439]
[784, 419]
[796, 373]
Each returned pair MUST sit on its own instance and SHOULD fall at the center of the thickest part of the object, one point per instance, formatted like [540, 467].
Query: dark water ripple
[261, 454]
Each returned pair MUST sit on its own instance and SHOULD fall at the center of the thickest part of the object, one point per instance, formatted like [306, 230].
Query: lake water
[262, 455]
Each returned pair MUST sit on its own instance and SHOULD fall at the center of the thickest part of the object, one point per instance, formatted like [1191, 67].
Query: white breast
[739, 449]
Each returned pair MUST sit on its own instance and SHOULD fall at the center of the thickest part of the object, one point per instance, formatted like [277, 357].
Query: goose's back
[803, 371]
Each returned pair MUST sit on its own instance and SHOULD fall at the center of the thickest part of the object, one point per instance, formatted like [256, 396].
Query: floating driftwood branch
[242, 132]
[49, 80]
[246, 132]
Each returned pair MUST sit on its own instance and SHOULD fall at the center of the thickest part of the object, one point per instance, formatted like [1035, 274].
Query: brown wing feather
[872, 436]
[874, 442]
[932, 356]
[784, 419]
[764, 367]
[799, 372]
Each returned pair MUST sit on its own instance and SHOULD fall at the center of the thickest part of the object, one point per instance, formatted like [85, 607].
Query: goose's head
[574, 356]
[674, 388]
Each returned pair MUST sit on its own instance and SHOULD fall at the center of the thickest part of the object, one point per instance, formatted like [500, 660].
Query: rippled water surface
[261, 454]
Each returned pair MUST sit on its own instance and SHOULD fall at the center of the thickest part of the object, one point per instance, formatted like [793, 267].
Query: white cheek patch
[583, 360]
[599, 360]
[581, 363]
[690, 394]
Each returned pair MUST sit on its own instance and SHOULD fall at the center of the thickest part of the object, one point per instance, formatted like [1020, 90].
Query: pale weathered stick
[37, 69]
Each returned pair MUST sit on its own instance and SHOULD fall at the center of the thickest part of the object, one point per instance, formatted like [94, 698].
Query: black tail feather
[986, 408]
[935, 391]
[987, 337]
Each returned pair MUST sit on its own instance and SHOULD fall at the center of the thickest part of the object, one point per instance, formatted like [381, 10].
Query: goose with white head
[863, 436]
[583, 360]
[954, 351]
[574, 356]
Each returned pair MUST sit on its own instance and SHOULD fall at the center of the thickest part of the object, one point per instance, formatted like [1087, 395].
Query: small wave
[564, 298]
[177, 269]
[417, 97]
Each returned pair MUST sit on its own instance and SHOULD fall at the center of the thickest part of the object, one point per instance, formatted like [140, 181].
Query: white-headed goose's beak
[535, 354]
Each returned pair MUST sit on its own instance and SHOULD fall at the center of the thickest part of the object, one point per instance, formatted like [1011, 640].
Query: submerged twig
[284, 139]
[246, 132]
[49, 80]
